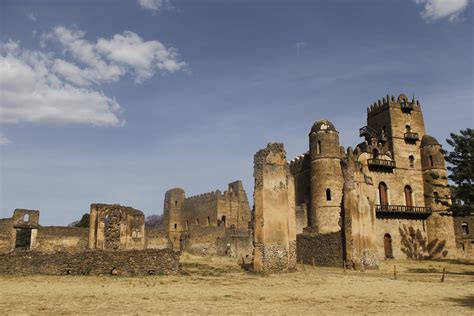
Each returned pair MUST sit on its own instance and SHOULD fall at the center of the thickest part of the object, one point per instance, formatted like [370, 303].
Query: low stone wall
[129, 262]
[235, 244]
[203, 239]
[58, 238]
[276, 258]
[322, 249]
[156, 238]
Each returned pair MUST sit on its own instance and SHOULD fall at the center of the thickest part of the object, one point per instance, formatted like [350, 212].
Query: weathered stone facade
[464, 229]
[196, 224]
[274, 212]
[384, 198]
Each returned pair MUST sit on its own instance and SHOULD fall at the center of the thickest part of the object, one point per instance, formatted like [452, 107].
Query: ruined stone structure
[464, 230]
[202, 223]
[381, 200]
[116, 241]
[274, 212]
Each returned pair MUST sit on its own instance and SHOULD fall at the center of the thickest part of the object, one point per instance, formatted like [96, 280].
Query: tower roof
[428, 140]
[323, 126]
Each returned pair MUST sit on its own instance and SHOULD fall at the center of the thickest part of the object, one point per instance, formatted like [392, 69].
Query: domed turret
[428, 140]
[326, 177]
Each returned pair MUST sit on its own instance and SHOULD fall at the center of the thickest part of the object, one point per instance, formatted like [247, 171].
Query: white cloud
[4, 140]
[31, 92]
[109, 59]
[32, 17]
[152, 5]
[438, 9]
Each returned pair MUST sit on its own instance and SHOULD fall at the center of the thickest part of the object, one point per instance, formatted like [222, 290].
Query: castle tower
[326, 178]
[172, 211]
[440, 227]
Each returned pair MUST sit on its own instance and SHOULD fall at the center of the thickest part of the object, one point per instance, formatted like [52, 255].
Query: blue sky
[118, 101]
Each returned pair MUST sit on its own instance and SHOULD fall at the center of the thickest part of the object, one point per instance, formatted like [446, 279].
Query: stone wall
[322, 249]
[53, 238]
[275, 224]
[203, 240]
[156, 238]
[99, 262]
[464, 240]
[235, 243]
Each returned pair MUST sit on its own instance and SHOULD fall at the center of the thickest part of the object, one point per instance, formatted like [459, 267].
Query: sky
[118, 101]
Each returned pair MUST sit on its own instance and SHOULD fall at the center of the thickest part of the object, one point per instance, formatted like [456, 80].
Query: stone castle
[385, 198]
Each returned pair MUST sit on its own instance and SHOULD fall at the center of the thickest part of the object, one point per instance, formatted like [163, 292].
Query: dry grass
[213, 285]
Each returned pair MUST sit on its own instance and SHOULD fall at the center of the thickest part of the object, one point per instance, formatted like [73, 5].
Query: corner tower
[326, 177]
[440, 229]
[173, 212]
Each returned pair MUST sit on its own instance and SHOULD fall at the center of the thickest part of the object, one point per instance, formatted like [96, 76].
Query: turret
[173, 208]
[437, 196]
[326, 177]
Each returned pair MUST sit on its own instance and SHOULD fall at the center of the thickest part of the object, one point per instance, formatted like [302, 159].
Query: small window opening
[328, 194]
[187, 224]
[26, 217]
[223, 220]
[412, 161]
[436, 197]
[465, 229]
[431, 161]
[375, 153]
[175, 226]
[318, 147]
[208, 221]
[176, 202]
[197, 221]
[408, 128]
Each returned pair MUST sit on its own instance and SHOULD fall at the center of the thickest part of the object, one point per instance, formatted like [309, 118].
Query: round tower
[440, 229]
[172, 210]
[326, 177]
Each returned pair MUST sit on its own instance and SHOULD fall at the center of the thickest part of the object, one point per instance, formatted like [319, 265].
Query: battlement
[299, 163]
[402, 102]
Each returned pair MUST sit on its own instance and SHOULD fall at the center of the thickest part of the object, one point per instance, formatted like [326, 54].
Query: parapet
[401, 102]
[300, 163]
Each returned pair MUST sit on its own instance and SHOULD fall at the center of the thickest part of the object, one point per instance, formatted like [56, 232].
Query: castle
[386, 198]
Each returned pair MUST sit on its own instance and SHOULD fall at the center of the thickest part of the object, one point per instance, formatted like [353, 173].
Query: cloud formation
[38, 87]
[4, 140]
[439, 9]
[152, 5]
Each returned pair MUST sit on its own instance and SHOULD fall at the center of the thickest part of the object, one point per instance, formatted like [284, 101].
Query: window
[465, 229]
[318, 147]
[383, 193]
[412, 161]
[176, 202]
[175, 226]
[197, 221]
[208, 221]
[408, 196]
[187, 224]
[431, 161]
[407, 128]
[375, 153]
[328, 194]
[436, 197]
[223, 220]
[26, 217]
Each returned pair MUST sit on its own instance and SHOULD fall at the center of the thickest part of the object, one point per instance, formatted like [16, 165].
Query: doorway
[23, 239]
[387, 242]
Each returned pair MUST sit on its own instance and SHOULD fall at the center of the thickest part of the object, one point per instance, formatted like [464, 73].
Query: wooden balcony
[402, 210]
[411, 137]
[381, 163]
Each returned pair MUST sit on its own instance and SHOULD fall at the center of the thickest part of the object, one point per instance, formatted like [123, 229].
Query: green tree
[83, 222]
[461, 166]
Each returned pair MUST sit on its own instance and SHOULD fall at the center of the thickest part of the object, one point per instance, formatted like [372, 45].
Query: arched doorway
[387, 243]
[383, 193]
[408, 196]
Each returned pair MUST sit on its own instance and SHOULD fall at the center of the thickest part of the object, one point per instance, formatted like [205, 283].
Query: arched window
[375, 153]
[436, 197]
[407, 128]
[387, 243]
[408, 196]
[431, 161]
[208, 221]
[26, 217]
[328, 194]
[412, 161]
[176, 202]
[197, 221]
[465, 229]
[318, 147]
[223, 220]
[383, 193]
[175, 226]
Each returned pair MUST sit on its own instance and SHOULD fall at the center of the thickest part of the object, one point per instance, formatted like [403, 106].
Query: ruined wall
[53, 239]
[116, 227]
[7, 238]
[464, 230]
[156, 238]
[359, 220]
[300, 169]
[320, 249]
[235, 243]
[201, 210]
[203, 239]
[130, 262]
[274, 227]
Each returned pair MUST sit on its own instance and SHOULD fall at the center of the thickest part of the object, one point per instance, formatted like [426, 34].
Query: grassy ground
[213, 285]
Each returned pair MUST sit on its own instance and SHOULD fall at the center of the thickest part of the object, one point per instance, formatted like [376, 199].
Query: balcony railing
[409, 136]
[406, 106]
[381, 163]
[402, 209]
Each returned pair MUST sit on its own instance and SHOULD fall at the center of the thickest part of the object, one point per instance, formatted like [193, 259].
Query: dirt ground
[213, 285]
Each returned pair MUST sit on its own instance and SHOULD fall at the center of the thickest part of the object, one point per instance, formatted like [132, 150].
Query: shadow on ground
[466, 301]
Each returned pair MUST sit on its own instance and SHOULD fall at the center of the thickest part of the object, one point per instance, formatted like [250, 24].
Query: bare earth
[217, 285]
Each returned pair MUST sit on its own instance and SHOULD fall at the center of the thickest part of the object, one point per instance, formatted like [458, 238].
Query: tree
[461, 166]
[154, 221]
[83, 222]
